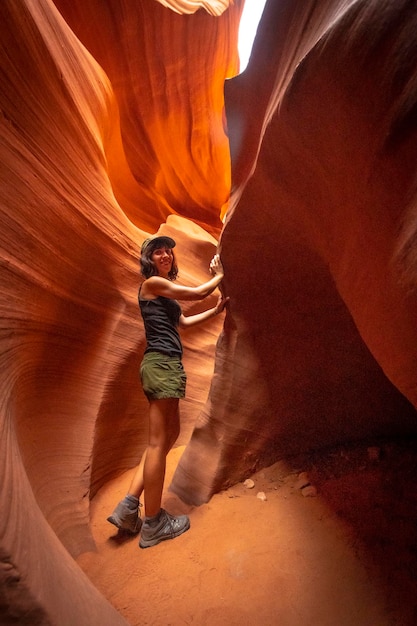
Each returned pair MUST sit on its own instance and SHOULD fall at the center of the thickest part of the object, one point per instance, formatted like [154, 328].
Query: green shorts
[162, 376]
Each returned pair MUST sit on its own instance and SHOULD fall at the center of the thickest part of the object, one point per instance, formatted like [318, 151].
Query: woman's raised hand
[216, 266]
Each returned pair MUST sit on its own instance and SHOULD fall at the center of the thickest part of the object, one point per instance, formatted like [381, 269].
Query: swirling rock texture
[319, 242]
[92, 161]
[116, 121]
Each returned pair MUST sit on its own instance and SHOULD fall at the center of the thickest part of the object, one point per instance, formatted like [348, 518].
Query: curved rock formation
[112, 127]
[318, 244]
[184, 7]
[167, 72]
[75, 210]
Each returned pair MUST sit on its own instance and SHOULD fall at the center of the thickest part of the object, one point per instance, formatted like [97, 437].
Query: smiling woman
[164, 382]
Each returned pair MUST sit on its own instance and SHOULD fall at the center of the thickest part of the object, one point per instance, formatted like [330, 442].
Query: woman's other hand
[221, 303]
[216, 266]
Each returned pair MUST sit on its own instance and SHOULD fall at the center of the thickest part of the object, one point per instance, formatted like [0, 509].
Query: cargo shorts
[162, 376]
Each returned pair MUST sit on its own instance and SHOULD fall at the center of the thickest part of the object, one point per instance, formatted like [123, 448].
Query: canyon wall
[318, 244]
[126, 118]
[76, 205]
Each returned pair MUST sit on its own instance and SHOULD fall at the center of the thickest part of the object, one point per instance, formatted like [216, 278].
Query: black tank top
[161, 319]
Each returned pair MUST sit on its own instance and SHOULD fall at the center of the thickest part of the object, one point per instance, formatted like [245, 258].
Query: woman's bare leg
[164, 429]
[136, 486]
[137, 483]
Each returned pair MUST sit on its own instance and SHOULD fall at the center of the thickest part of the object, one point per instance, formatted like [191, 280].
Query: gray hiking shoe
[126, 519]
[168, 527]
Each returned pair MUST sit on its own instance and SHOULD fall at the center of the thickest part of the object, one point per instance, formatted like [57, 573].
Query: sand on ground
[329, 543]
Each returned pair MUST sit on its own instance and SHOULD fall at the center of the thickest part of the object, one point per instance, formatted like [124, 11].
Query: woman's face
[162, 259]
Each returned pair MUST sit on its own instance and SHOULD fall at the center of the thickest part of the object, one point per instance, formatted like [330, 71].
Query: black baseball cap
[157, 242]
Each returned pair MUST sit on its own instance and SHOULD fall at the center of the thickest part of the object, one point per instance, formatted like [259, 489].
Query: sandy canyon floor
[341, 551]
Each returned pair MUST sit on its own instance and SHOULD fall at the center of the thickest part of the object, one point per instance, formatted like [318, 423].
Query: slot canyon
[296, 459]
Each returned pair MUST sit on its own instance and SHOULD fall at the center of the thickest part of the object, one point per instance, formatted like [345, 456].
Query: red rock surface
[320, 345]
[115, 122]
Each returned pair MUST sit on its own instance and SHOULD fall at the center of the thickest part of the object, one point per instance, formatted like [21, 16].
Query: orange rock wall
[74, 213]
[168, 80]
[318, 245]
[112, 126]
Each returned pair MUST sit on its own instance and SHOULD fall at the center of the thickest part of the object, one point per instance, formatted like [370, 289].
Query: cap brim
[158, 242]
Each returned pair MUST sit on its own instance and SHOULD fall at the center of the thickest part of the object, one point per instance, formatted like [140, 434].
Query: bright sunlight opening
[251, 15]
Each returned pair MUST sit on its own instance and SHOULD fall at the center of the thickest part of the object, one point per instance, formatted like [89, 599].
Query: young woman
[163, 380]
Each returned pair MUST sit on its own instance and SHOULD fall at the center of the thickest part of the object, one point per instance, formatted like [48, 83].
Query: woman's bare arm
[158, 286]
[191, 320]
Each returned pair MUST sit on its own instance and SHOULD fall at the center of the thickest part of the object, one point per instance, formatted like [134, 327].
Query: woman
[163, 380]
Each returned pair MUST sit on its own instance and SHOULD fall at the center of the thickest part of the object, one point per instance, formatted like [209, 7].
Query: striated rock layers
[115, 121]
[93, 159]
[320, 345]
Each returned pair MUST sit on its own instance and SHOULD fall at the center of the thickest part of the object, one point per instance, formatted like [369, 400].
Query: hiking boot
[167, 527]
[126, 519]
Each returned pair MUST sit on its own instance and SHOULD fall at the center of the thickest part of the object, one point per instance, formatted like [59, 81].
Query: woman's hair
[147, 267]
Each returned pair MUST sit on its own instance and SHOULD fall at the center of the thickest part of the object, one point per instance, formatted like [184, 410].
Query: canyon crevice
[126, 118]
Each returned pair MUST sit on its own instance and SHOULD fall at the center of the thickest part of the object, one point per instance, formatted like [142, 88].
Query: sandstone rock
[374, 453]
[319, 345]
[309, 491]
[116, 122]
[302, 481]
